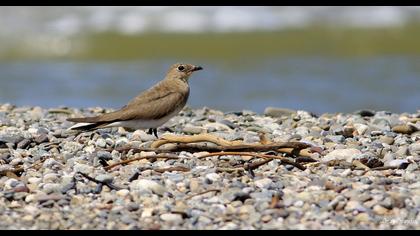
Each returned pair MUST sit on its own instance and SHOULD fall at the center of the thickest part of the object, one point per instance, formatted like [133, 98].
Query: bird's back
[163, 98]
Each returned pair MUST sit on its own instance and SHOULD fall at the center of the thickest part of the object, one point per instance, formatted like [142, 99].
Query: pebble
[342, 155]
[148, 185]
[414, 148]
[41, 139]
[361, 128]
[83, 168]
[401, 164]
[263, 183]
[404, 129]
[278, 112]
[104, 178]
[147, 212]
[212, 177]
[24, 143]
[169, 217]
[101, 143]
[123, 192]
[386, 139]
[354, 205]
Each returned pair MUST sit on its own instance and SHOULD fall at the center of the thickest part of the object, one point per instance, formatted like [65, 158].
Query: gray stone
[169, 217]
[104, 178]
[24, 143]
[101, 142]
[335, 138]
[278, 112]
[11, 138]
[147, 185]
[213, 177]
[401, 164]
[263, 183]
[104, 155]
[342, 155]
[85, 169]
[414, 148]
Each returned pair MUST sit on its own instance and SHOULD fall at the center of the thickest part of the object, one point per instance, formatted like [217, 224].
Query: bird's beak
[195, 68]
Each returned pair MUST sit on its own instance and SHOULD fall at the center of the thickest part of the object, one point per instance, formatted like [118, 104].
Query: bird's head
[182, 71]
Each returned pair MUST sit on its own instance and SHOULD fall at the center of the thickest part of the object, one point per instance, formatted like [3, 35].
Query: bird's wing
[154, 108]
[157, 108]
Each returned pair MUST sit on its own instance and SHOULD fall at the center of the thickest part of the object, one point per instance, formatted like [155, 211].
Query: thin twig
[265, 156]
[173, 168]
[385, 168]
[21, 169]
[197, 194]
[255, 165]
[100, 183]
[140, 158]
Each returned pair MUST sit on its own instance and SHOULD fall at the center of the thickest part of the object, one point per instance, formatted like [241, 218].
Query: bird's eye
[181, 68]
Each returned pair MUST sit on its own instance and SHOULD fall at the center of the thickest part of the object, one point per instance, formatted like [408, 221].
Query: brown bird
[151, 108]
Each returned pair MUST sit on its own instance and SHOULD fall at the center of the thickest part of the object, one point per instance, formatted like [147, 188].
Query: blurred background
[319, 59]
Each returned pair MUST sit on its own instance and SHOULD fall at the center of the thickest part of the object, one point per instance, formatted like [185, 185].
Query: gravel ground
[342, 190]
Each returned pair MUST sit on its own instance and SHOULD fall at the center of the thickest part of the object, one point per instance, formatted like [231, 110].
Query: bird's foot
[153, 131]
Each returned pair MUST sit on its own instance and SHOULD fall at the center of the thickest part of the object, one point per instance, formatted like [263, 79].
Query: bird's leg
[153, 131]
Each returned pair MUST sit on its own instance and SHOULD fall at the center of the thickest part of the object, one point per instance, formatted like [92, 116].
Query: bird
[151, 108]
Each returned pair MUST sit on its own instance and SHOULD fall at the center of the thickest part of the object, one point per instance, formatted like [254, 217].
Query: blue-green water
[317, 84]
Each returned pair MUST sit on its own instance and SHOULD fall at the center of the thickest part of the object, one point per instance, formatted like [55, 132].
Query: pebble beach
[367, 175]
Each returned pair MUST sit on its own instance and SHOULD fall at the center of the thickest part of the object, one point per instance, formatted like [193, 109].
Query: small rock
[335, 138]
[50, 178]
[212, 177]
[194, 185]
[85, 169]
[400, 164]
[24, 143]
[404, 129]
[34, 180]
[41, 139]
[104, 155]
[148, 185]
[122, 192]
[380, 210]
[278, 112]
[11, 183]
[105, 178]
[342, 155]
[414, 148]
[147, 212]
[143, 136]
[386, 139]
[189, 129]
[121, 142]
[361, 128]
[362, 217]
[366, 113]
[354, 205]
[101, 142]
[170, 217]
[263, 183]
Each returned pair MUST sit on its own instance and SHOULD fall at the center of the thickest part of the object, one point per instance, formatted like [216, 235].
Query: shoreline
[341, 190]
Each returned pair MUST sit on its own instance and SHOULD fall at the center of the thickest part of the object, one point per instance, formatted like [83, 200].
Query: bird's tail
[83, 124]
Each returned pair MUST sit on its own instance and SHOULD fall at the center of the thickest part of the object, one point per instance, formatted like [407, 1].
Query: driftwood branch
[170, 138]
[284, 147]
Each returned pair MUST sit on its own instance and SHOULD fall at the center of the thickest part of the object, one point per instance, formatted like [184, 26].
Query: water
[317, 84]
